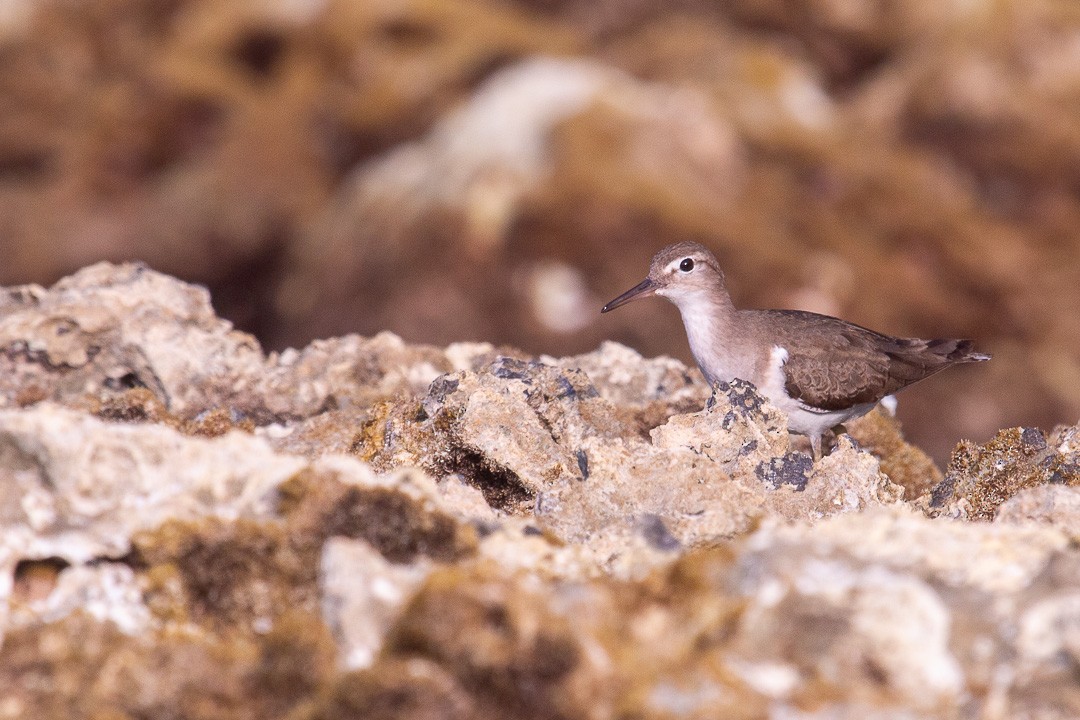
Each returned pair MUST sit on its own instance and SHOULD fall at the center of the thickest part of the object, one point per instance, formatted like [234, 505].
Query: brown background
[913, 166]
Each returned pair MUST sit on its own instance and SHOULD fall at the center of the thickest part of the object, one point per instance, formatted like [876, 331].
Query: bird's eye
[687, 264]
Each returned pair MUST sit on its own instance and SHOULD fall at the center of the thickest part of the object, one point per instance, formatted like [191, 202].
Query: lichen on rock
[980, 479]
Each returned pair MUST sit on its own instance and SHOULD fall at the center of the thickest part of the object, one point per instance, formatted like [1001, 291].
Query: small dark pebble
[943, 491]
[483, 529]
[1064, 473]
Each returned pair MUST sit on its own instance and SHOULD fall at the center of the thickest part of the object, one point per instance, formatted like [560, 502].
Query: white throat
[709, 330]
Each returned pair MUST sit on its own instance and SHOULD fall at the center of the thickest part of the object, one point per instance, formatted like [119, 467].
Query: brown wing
[833, 364]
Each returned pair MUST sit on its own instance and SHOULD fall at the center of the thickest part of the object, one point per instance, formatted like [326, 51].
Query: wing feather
[834, 365]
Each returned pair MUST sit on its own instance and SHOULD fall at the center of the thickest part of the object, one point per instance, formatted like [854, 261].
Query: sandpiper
[820, 370]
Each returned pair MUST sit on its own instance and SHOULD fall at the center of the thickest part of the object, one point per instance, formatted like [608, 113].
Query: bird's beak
[645, 288]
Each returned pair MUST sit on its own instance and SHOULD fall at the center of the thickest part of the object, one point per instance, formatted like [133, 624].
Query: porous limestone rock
[110, 328]
[116, 327]
[880, 615]
[366, 528]
[541, 439]
[1055, 505]
[79, 487]
[87, 496]
[982, 477]
[362, 595]
[624, 378]
[107, 591]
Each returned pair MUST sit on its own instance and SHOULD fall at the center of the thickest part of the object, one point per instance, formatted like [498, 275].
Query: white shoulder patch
[774, 379]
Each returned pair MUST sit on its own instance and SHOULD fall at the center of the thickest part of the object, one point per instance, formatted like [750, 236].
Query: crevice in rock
[395, 525]
[502, 488]
[34, 579]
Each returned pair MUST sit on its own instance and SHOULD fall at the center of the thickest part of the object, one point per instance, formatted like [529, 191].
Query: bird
[821, 371]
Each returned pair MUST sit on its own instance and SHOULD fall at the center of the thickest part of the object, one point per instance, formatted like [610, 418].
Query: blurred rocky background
[496, 170]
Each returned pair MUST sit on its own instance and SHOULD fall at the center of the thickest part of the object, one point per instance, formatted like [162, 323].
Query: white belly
[801, 419]
[811, 423]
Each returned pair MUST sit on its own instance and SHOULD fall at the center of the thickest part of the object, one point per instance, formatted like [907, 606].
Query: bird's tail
[957, 351]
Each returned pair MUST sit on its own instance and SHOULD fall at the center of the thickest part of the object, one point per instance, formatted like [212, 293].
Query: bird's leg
[815, 445]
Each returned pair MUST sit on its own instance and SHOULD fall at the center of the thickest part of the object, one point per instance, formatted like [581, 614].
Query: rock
[850, 480]
[402, 515]
[654, 388]
[115, 327]
[905, 464]
[981, 478]
[1011, 558]
[1047, 643]
[1054, 505]
[87, 491]
[350, 374]
[412, 688]
[368, 528]
[744, 427]
[786, 615]
[107, 592]
[540, 439]
[81, 487]
[912, 648]
[107, 671]
[80, 344]
[362, 596]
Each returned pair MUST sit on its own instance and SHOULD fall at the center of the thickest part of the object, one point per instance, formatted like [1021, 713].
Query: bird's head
[685, 273]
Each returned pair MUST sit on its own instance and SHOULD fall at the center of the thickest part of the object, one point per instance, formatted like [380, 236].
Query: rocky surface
[497, 169]
[370, 529]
